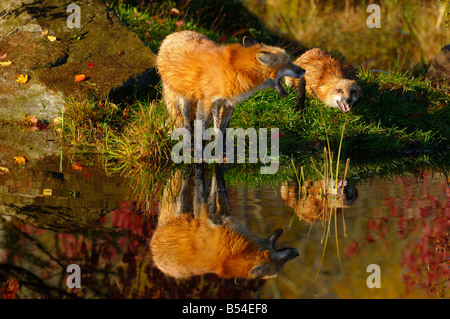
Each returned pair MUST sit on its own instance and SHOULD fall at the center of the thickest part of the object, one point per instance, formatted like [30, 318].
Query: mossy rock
[112, 57]
[439, 69]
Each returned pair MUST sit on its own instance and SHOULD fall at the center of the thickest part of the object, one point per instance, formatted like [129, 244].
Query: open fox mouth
[345, 108]
[280, 88]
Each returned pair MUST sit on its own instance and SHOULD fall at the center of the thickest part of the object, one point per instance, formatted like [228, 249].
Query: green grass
[399, 113]
[122, 137]
[153, 23]
[223, 21]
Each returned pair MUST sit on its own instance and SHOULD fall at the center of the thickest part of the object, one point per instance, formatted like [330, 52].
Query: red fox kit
[207, 239]
[333, 82]
[202, 80]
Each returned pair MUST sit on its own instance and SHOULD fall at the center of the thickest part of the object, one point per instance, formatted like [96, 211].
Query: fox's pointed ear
[249, 42]
[265, 57]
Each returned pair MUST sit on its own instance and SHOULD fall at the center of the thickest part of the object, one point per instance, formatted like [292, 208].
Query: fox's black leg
[199, 190]
[301, 91]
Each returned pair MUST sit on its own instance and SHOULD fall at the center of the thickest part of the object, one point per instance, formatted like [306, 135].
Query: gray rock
[122, 64]
[439, 69]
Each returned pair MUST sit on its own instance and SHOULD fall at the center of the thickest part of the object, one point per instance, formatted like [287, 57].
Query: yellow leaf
[20, 160]
[5, 63]
[22, 79]
[57, 121]
[3, 170]
[47, 192]
[51, 38]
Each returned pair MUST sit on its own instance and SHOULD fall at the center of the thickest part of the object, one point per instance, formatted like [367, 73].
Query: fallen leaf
[22, 79]
[91, 64]
[51, 38]
[5, 63]
[77, 166]
[179, 23]
[47, 192]
[45, 32]
[3, 56]
[174, 12]
[3, 170]
[29, 121]
[20, 160]
[57, 121]
[80, 77]
[9, 289]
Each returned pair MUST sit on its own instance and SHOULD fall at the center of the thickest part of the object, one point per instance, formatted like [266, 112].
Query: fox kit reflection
[333, 82]
[202, 80]
[208, 240]
[311, 204]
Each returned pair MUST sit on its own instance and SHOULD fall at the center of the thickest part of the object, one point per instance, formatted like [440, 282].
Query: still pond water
[50, 219]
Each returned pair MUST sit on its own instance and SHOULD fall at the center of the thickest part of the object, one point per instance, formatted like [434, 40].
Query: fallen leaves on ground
[6, 63]
[22, 79]
[3, 170]
[174, 12]
[80, 77]
[9, 289]
[20, 160]
[77, 166]
[51, 38]
[179, 23]
[57, 121]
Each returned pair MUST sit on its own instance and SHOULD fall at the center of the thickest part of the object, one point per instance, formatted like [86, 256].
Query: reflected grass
[329, 195]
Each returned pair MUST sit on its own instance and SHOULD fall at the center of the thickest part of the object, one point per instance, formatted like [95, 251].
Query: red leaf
[179, 23]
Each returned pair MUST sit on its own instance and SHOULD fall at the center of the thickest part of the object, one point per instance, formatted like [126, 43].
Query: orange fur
[202, 79]
[186, 244]
[199, 246]
[313, 205]
[325, 76]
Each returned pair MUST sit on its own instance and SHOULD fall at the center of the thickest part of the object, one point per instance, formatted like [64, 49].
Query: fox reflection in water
[314, 201]
[206, 238]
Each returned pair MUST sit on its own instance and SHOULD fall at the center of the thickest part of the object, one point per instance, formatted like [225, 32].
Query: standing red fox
[333, 82]
[203, 80]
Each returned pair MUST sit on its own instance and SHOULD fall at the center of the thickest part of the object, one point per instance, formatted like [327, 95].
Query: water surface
[50, 219]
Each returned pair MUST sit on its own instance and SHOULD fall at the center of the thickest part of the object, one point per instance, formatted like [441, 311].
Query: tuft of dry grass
[121, 136]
